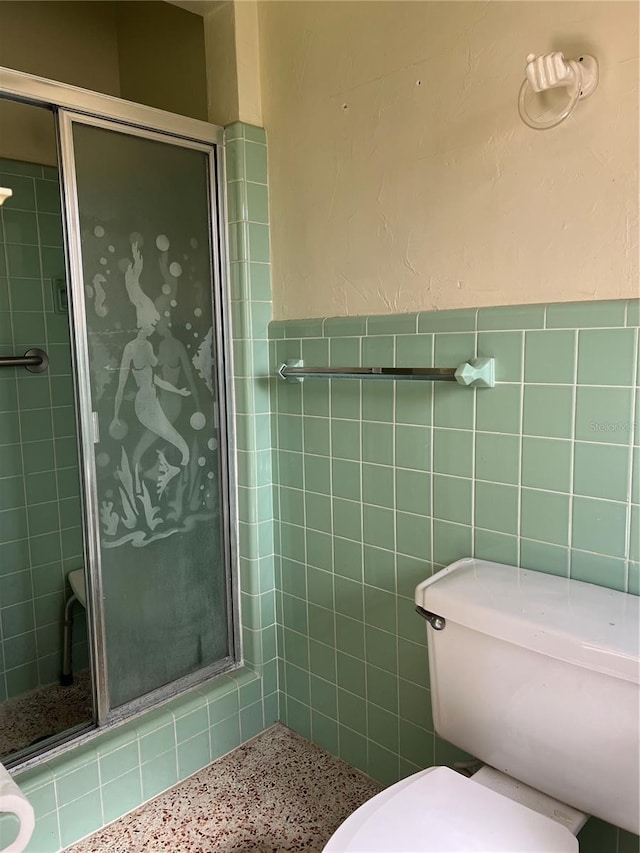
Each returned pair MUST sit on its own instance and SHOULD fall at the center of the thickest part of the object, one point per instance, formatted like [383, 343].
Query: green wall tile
[121, 795]
[347, 558]
[500, 409]
[414, 402]
[345, 326]
[599, 569]
[497, 547]
[451, 542]
[378, 527]
[23, 197]
[453, 452]
[378, 351]
[413, 536]
[414, 351]
[569, 315]
[413, 447]
[550, 356]
[391, 324]
[496, 507]
[377, 485]
[458, 320]
[453, 406]
[599, 526]
[413, 492]
[598, 348]
[506, 348]
[80, 817]
[512, 317]
[452, 498]
[542, 557]
[601, 471]
[377, 442]
[450, 350]
[379, 568]
[546, 463]
[346, 479]
[497, 457]
[345, 439]
[544, 516]
[604, 414]
[548, 411]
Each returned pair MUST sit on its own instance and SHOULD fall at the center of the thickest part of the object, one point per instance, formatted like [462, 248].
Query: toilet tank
[539, 677]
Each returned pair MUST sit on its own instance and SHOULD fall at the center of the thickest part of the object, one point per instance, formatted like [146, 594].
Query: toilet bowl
[438, 810]
[536, 675]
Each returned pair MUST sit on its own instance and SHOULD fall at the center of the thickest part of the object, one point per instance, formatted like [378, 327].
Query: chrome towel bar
[477, 373]
[34, 360]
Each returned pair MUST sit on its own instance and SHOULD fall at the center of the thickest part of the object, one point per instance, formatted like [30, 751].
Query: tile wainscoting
[379, 484]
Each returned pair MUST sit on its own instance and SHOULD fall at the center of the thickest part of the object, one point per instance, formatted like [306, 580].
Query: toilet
[538, 677]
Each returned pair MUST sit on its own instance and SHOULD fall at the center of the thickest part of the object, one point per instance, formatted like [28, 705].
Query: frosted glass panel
[146, 258]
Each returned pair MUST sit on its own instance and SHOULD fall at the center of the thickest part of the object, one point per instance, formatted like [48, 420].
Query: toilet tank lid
[580, 623]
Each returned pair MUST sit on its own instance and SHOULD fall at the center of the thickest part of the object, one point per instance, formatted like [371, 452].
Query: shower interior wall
[40, 516]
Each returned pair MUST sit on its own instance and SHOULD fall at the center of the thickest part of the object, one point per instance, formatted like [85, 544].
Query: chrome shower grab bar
[34, 360]
[477, 372]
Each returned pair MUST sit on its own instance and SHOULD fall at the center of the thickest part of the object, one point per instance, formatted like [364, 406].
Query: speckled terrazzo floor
[44, 712]
[278, 792]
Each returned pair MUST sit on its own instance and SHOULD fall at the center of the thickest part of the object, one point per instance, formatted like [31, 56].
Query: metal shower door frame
[72, 105]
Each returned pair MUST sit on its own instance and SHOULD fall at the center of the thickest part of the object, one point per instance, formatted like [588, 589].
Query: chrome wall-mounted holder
[475, 373]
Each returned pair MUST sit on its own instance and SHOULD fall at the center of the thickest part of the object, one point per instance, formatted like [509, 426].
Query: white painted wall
[402, 177]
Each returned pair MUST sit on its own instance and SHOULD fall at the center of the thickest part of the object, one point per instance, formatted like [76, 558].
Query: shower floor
[278, 792]
[44, 712]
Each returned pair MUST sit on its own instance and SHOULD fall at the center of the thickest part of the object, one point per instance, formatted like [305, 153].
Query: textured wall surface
[381, 483]
[402, 177]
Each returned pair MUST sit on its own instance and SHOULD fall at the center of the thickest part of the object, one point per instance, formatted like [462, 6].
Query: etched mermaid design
[158, 403]
[140, 360]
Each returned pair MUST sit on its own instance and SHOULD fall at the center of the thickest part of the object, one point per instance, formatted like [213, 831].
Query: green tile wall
[114, 772]
[379, 484]
[40, 538]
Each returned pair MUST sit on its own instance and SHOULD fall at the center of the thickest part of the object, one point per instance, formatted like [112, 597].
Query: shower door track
[71, 103]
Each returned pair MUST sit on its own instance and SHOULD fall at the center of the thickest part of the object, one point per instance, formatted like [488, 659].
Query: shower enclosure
[141, 201]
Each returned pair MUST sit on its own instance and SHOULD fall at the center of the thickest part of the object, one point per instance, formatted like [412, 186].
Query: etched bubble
[103, 261]
[173, 303]
[102, 459]
[162, 242]
[197, 312]
[98, 231]
[202, 461]
[197, 420]
[175, 269]
[187, 325]
[210, 475]
[136, 237]
[111, 249]
[166, 289]
[212, 444]
[167, 313]
[193, 243]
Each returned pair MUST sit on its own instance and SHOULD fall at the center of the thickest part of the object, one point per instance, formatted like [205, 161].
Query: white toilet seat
[438, 810]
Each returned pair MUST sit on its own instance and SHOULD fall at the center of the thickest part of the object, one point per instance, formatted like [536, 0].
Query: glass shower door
[148, 315]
